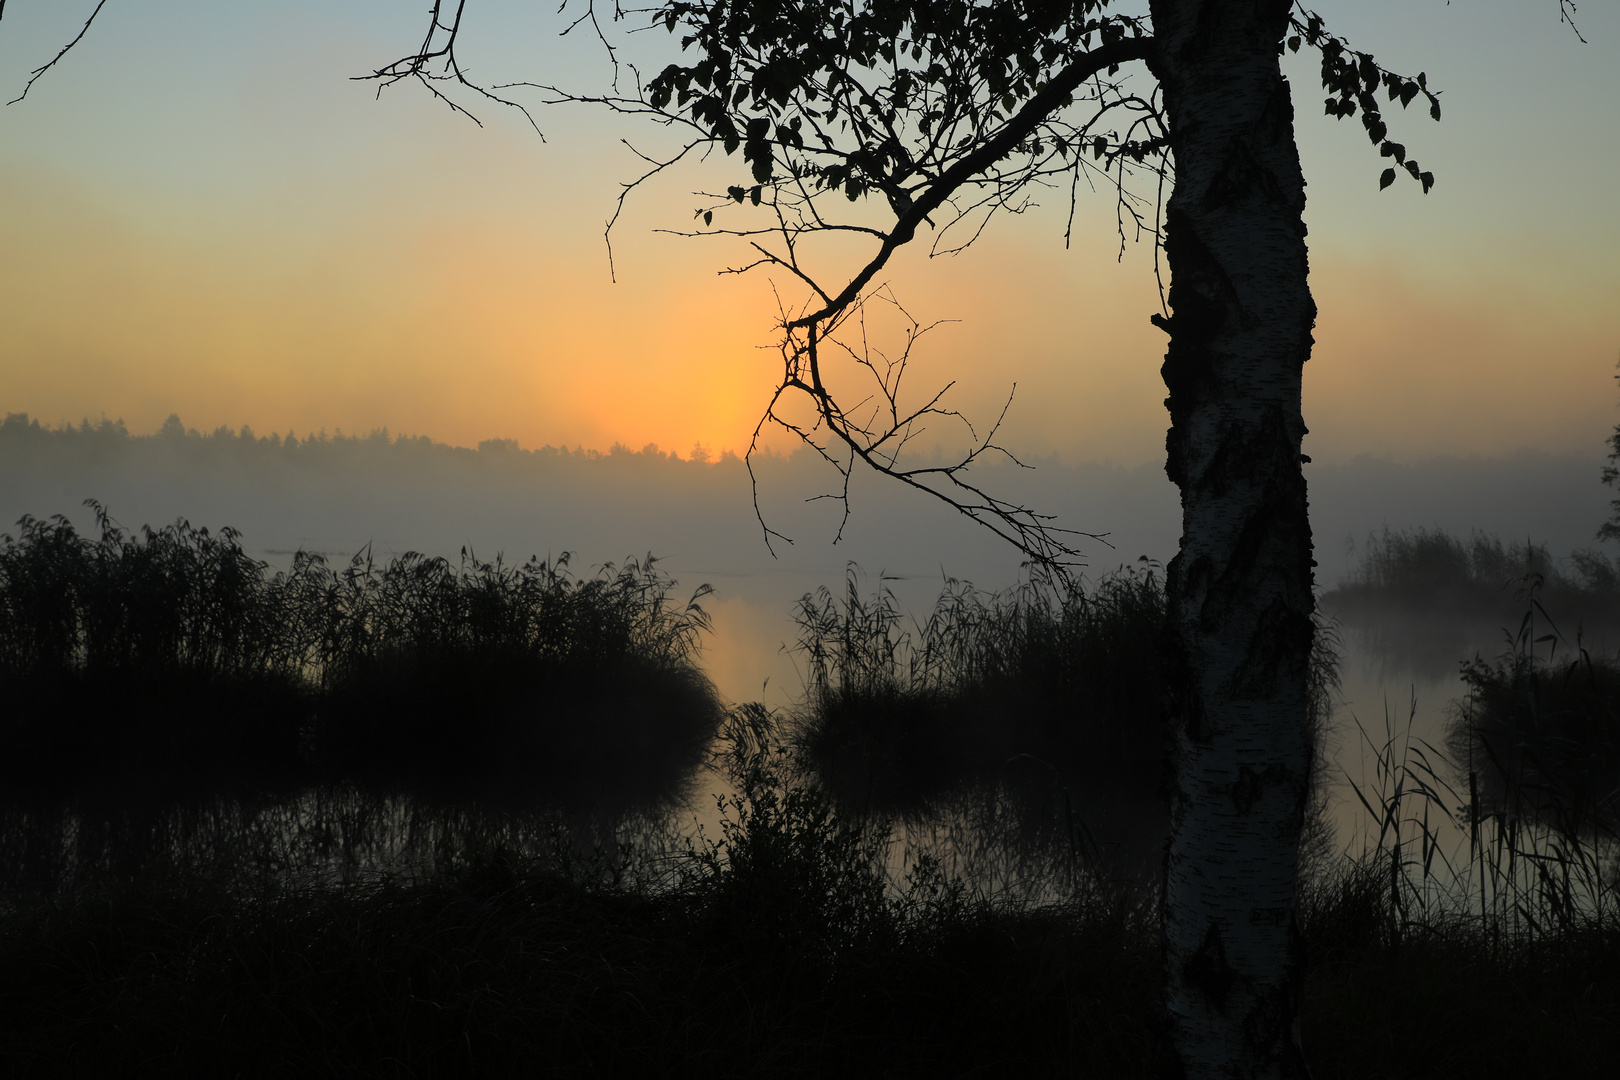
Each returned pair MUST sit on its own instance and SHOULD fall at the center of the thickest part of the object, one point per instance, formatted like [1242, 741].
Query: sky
[201, 212]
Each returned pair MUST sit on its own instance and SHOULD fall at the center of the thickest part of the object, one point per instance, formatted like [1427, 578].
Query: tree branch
[43, 68]
[1051, 97]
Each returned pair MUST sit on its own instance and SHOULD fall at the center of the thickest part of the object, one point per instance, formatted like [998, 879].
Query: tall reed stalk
[1445, 853]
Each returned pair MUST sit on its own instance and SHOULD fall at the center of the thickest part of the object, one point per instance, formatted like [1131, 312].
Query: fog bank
[338, 494]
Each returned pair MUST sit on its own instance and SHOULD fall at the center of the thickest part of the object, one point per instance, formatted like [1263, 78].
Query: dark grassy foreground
[779, 948]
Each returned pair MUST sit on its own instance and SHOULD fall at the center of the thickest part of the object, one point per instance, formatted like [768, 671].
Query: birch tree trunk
[1240, 595]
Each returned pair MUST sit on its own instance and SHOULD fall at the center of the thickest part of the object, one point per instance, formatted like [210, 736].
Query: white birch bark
[1240, 589]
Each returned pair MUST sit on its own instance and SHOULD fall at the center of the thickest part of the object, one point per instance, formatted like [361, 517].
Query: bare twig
[439, 48]
[52, 62]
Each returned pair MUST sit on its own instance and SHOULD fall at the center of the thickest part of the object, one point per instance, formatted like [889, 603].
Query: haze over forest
[336, 493]
[246, 242]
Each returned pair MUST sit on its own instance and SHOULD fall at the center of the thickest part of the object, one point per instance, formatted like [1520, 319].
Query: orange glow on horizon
[469, 327]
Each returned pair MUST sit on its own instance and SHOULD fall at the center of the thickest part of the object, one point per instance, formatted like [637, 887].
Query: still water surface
[1023, 836]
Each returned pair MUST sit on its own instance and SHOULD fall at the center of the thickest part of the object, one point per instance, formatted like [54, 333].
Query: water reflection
[1012, 823]
[1488, 776]
[1026, 833]
[321, 834]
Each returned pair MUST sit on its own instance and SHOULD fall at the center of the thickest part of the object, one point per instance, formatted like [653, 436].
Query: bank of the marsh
[779, 949]
[1423, 600]
[356, 822]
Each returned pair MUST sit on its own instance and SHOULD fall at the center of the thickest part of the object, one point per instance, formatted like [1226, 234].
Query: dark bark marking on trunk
[1209, 971]
[1242, 177]
[1189, 707]
[1247, 789]
[1276, 121]
[1204, 300]
[1279, 646]
[1270, 1025]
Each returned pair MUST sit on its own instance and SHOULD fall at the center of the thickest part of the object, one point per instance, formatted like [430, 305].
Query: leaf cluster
[1610, 530]
[1353, 80]
[876, 93]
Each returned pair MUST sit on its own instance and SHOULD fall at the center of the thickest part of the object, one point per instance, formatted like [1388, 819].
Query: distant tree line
[19, 433]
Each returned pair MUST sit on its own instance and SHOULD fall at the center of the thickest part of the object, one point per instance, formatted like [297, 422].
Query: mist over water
[340, 496]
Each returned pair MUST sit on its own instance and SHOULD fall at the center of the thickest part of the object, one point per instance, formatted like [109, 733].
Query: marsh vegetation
[430, 818]
[1534, 731]
[1538, 736]
[173, 704]
[170, 653]
[1039, 705]
[1424, 599]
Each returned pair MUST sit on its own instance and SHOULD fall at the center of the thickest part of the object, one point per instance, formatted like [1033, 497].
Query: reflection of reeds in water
[1039, 703]
[173, 657]
[351, 924]
[783, 942]
[775, 946]
[315, 837]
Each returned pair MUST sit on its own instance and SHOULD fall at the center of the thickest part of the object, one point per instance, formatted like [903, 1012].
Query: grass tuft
[1539, 738]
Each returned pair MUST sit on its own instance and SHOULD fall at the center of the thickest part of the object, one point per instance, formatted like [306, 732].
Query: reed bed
[486, 672]
[1461, 938]
[1431, 568]
[172, 654]
[1425, 599]
[1447, 858]
[1051, 697]
[168, 651]
[987, 677]
[1539, 738]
